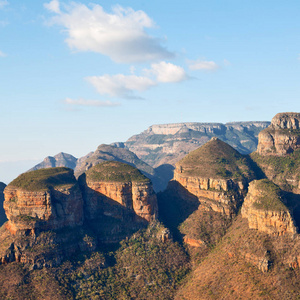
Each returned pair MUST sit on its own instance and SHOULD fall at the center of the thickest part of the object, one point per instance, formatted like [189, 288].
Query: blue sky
[74, 75]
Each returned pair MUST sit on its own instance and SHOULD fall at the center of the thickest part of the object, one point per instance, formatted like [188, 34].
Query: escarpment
[265, 210]
[123, 186]
[217, 175]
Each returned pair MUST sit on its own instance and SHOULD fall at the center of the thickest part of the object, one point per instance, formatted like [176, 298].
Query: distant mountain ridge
[168, 143]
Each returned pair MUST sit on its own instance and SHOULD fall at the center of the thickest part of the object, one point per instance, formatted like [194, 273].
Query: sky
[74, 75]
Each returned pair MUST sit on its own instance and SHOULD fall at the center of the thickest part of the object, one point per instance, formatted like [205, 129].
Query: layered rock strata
[265, 210]
[282, 136]
[132, 191]
[52, 206]
[217, 175]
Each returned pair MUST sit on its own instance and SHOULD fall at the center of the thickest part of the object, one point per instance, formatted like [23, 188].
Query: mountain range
[225, 227]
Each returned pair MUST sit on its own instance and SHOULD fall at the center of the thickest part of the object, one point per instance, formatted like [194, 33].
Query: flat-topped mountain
[168, 143]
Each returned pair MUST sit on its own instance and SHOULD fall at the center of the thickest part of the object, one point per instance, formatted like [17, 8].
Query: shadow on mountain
[293, 203]
[163, 174]
[175, 205]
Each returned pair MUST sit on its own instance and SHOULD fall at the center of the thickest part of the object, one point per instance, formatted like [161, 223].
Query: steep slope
[266, 210]
[167, 144]
[217, 175]
[278, 151]
[59, 160]
[2, 212]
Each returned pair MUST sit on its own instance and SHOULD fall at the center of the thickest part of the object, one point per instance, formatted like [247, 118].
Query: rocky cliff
[282, 136]
[217, 175]
[265, 210]
[43, 199]
[168, 143]
[278, 151]
[122, 186]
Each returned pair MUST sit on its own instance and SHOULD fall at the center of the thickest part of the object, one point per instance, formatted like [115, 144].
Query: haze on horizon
[74, 75]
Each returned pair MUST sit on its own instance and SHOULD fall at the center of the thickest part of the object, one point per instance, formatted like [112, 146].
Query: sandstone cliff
[109, 186]
[278, 151]
[43, 199]
[168, 143]
[265, 210]
[282, 136]
[40, 206]
[217, 175]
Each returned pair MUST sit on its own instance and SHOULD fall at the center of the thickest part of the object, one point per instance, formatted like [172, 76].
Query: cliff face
[281, 137]
[41, 210]
[265, 210]
[217, 175]
[168, 143]
[135, 193]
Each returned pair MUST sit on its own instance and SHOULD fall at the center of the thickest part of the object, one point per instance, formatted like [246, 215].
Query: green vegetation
[116, 172]
[216, 159]
[44, 179]
[287, 165]
[270, 196]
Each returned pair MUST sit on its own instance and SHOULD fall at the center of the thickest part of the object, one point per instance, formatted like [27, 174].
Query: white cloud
[2, 54]
[120, 85]
[3, 3]
[120, 35]
[53, 6]
[167, 72]
[203, 65]
[84, 102]
[125, 85]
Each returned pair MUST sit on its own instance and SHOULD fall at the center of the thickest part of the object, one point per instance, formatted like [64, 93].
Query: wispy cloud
[125, 85]
[2, 54]
[120, 85]
[120, 35]
[202, 65]
[53, 6]
[167, 72]
[3, 3]
[84, 102]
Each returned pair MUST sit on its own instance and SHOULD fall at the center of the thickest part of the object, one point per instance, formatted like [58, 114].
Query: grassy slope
[116, 172]
[217, 159]
[223, 276]
[43, 179]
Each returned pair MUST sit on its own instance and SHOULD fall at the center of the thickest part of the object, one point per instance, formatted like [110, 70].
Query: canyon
[103, 231]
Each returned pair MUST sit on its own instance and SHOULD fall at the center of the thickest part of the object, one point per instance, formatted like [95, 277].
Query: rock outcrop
[217, 175]
[282, 137]
[265, 209]
[168, 143]
[115, 184]
[47, 199]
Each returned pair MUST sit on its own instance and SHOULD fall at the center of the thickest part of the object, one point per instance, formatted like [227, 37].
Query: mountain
[226, 226]
[59, 160]
[168, 143]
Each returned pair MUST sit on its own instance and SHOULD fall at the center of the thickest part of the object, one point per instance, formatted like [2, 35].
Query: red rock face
[135, 196]
[213, 193]
[271, 221]
[281, 137]
[51, 209]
